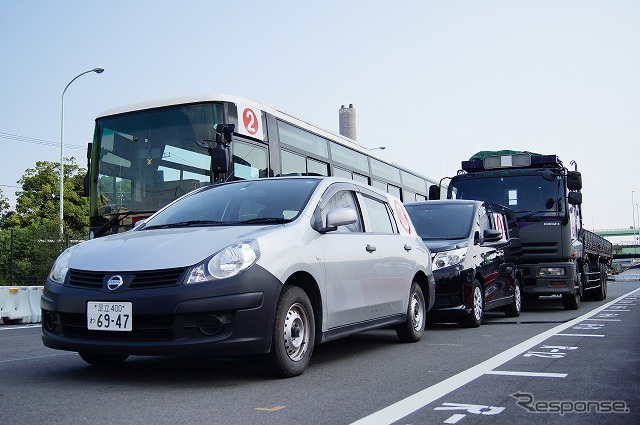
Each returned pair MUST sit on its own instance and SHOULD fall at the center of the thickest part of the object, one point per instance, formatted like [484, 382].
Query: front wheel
[601, 292]
[474, 318]
[293, 334]
[514, 309]
[98, 359]
[411, 330]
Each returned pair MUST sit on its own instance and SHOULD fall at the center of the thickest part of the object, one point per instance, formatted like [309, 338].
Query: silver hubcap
[417, 312]
[517, 297]
[296, 332]
[477, 303]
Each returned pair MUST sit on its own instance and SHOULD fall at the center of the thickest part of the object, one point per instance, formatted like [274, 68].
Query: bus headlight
[228, 262]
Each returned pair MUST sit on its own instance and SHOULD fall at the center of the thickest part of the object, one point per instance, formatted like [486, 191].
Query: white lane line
[37, 357]
[531, 374]
[414, 402]
[598, 336]
[606, 320]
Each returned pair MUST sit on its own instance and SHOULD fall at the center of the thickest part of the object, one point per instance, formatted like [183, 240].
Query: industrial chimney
[347, 117]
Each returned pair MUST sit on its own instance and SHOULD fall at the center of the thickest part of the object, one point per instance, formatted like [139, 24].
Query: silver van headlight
[228, 262]
[61, 267]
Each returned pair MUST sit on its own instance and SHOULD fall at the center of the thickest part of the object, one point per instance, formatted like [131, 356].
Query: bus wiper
[277, 220]
[114, 219]
[529, 214]
[185, 224]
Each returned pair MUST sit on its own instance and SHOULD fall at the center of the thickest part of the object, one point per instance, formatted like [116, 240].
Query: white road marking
[599, 336]
[531, 374]
[407, 406]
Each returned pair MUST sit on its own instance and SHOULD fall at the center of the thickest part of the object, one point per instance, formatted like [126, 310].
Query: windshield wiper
[185, 224]
[277, 220]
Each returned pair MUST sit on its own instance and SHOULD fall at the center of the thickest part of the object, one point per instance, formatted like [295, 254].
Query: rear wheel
[293, 334]
[99, 359]
[474, 318]
[411, 330]
[514, 309]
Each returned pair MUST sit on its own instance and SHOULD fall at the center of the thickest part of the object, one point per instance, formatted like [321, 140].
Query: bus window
[414, 183]
[360, 178]
[395, 191]
[349, 157]
[339, 172]
[317, 168]
[385, 171]
[302, 139]
[249, 161]
[379, 185]
[292, 163]
[408, 196]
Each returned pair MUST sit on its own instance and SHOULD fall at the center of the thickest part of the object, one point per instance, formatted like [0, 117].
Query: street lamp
[97, 71]
[378, 147]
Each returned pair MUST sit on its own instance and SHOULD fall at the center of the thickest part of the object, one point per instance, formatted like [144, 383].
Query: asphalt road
[549, 365]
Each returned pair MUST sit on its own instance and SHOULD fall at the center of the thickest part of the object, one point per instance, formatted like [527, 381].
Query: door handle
[371, 248]
[407, 247]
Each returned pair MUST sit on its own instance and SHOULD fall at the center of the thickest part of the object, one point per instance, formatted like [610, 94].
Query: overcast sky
[433, 81]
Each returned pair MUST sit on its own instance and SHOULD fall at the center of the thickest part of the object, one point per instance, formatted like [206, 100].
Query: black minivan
[476, 253]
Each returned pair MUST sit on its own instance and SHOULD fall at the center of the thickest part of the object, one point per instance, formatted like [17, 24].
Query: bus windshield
[528, 195]
[147, 159]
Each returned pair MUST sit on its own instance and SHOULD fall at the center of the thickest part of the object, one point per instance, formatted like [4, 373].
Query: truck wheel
[293, 334]
[98, 359]
[601, 292]
[514, 309]
[411, 330]
[571, 301]
[588, 294]
[474, 318]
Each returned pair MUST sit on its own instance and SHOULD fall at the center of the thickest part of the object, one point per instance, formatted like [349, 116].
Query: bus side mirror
[219, 159]
[434, 191]
[574, 180]
[574, 198]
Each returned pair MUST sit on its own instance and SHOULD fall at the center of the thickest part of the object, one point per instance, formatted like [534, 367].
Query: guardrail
[20, 304]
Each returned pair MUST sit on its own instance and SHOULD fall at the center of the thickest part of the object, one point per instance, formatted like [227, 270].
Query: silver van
[268, 266]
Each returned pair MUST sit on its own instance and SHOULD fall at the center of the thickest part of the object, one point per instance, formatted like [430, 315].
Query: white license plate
[109, 316]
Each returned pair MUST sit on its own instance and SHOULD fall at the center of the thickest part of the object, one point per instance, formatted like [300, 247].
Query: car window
[379, 216]
[442, 221]
[343, 199]
[484, 220]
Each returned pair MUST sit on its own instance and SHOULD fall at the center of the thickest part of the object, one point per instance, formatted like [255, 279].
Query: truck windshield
[529, 195]
[149, 158]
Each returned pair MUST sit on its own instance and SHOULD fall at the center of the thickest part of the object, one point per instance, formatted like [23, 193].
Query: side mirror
[548, 175]
[574, 198]
[434, 191]
[339, 217]
[574, 180]
[491, 235]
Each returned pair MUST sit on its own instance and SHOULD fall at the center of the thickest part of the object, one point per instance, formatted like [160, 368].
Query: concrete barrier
[20, 304]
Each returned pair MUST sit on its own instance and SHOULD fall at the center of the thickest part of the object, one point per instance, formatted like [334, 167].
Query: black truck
[560, 257]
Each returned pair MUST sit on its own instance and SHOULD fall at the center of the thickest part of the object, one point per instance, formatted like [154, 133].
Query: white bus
[144, 156]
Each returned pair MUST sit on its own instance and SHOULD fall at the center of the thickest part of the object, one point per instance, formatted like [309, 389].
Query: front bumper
[453, 290]
[534, 284]
[228, 317]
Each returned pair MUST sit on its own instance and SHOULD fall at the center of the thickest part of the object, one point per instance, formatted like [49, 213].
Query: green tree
[4, 203]
[38, 205]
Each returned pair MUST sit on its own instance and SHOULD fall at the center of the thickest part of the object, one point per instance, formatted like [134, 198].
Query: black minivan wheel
[293, 334]
[514, 309]
[474, 318]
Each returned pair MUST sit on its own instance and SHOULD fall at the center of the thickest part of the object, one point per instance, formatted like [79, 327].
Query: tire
[474, 318]
[514, 309]
[589, 294]
[293, 334]
[411, 330]
[600, 293]
[103, 360]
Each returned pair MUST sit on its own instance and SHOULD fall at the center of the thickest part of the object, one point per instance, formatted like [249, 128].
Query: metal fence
[26, 256]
